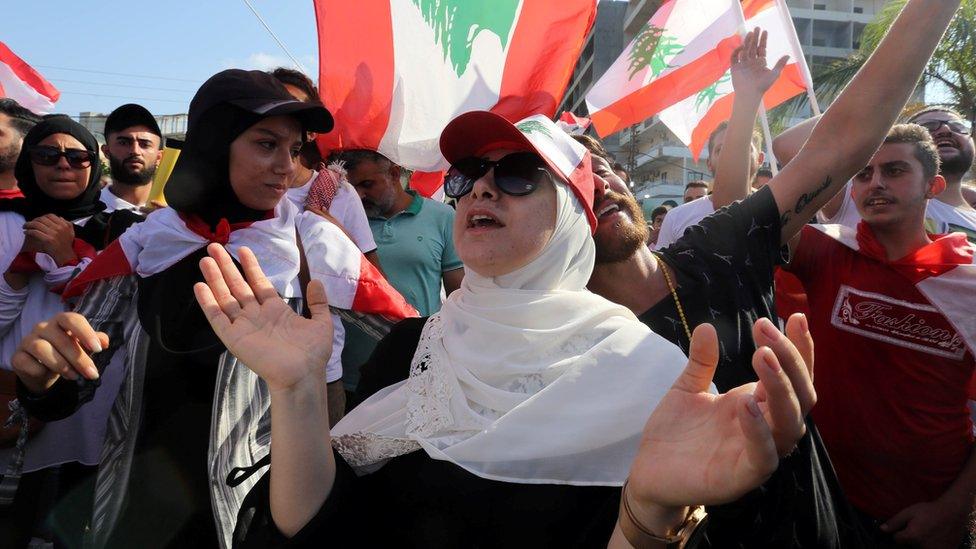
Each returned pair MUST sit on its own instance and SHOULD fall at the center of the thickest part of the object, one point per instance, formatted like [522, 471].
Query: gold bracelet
[644, 538]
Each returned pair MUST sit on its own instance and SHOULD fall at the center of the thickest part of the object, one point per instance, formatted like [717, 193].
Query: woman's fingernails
[95, 345]
[770, 359]
[803, 322]
[768, 329]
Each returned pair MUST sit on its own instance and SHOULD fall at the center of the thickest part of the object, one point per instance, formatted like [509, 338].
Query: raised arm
[288, 352]
[750, 79]
[856, 123]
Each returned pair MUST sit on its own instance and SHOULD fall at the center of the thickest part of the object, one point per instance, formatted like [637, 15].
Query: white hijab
[526, 377]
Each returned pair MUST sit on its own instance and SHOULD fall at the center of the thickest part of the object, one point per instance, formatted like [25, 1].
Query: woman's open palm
[257, 326]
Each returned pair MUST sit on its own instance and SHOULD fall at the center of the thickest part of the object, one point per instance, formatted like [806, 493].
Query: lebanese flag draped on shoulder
[678, 68]
[395, 72]
[20, 82]
[166, 237]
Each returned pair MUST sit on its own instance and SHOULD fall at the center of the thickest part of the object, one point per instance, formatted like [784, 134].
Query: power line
[126, 97]
[122, 85]
[119, 74]
[281, 44]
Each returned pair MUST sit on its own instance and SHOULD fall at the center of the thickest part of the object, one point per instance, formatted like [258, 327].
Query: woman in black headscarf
[187, 411]
[48, 236]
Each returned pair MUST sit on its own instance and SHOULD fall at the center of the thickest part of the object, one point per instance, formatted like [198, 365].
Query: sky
[162, 50]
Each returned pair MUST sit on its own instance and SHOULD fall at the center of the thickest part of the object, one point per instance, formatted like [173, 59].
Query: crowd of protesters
[295, 349]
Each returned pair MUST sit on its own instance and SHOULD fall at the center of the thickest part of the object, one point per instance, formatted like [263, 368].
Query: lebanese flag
[572, 124]
[683, 53]
[20, 82]
[694, 118]
[166, 237]
[395, 72]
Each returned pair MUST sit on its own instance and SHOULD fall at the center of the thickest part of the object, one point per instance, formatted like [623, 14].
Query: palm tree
[952, 69]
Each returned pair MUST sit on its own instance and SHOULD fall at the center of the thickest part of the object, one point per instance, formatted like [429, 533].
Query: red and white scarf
[166, 237]
[943, 271]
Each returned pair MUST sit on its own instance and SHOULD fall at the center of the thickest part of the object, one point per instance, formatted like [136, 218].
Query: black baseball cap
[225, 105]
[259, 93]
[129, 115]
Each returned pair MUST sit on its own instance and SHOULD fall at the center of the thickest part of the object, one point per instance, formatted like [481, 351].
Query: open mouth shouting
[482, 221]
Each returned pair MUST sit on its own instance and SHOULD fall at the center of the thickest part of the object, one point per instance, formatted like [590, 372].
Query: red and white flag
[572, 124]
[395, 72]
[678, 66]
[166, 237]
[20, 82]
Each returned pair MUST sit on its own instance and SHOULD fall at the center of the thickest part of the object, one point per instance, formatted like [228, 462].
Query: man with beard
[953, 135]
[133, 146]
[721, 270]
[949, 212]
[414, 238]
[15, 122]
[891, 316]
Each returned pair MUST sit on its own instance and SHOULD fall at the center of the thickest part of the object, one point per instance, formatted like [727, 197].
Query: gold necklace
[674, 294]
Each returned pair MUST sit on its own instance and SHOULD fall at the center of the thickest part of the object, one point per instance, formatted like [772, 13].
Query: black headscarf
[200, 184]
[36, 202]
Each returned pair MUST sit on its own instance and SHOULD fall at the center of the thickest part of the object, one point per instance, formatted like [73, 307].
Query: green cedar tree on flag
[678, 68]
[395, 72]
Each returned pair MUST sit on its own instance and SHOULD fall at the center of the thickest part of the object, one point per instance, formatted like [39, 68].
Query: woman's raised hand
[258, 327]
[702, 448]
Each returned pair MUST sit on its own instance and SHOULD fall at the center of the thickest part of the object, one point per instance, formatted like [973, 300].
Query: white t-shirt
[347, 208]
[940, 217]
[113, 202]
[682, 217]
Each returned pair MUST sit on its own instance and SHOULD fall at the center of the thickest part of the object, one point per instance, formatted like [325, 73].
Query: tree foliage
[951, 70]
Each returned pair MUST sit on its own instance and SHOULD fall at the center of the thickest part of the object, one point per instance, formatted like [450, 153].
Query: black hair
[20, 118]
[353, 157]
[299, 80]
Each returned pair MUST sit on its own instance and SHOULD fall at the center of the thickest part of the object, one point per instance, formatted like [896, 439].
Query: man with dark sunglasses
[721, 270]
[948, 212]
[953, 135]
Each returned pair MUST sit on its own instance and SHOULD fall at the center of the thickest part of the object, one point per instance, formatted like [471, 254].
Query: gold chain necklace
[674, 294]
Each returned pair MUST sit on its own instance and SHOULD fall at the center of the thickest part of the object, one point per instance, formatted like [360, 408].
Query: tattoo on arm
[804, 201]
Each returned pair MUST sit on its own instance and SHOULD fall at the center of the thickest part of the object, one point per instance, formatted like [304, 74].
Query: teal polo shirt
[415, 247]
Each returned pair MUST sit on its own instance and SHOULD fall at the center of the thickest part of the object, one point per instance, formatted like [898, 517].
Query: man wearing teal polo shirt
[413, 239]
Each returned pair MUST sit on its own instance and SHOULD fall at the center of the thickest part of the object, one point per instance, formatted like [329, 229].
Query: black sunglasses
[50, 156]
[960, 127]
[517, 174]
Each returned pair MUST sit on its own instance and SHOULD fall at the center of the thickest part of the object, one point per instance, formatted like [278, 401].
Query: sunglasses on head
[960, 127]
[49, 156]
[517, 174]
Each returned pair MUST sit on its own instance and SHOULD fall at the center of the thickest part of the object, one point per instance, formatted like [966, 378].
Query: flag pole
[763, 119]
[784, 13]
[768, 138]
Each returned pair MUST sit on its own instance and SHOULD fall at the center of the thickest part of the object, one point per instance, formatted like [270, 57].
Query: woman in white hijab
[525, 404]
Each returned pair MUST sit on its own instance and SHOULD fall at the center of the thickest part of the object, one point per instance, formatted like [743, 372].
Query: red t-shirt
[892, 375]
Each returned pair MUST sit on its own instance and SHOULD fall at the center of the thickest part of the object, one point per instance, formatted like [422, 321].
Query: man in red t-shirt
[891, 316]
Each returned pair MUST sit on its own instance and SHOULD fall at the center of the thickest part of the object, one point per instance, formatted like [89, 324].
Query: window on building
[820, 7]
[858, 9]
[821, 42]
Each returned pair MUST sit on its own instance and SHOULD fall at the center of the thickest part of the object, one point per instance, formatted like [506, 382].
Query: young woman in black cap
[187, 411]
[48, 236]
